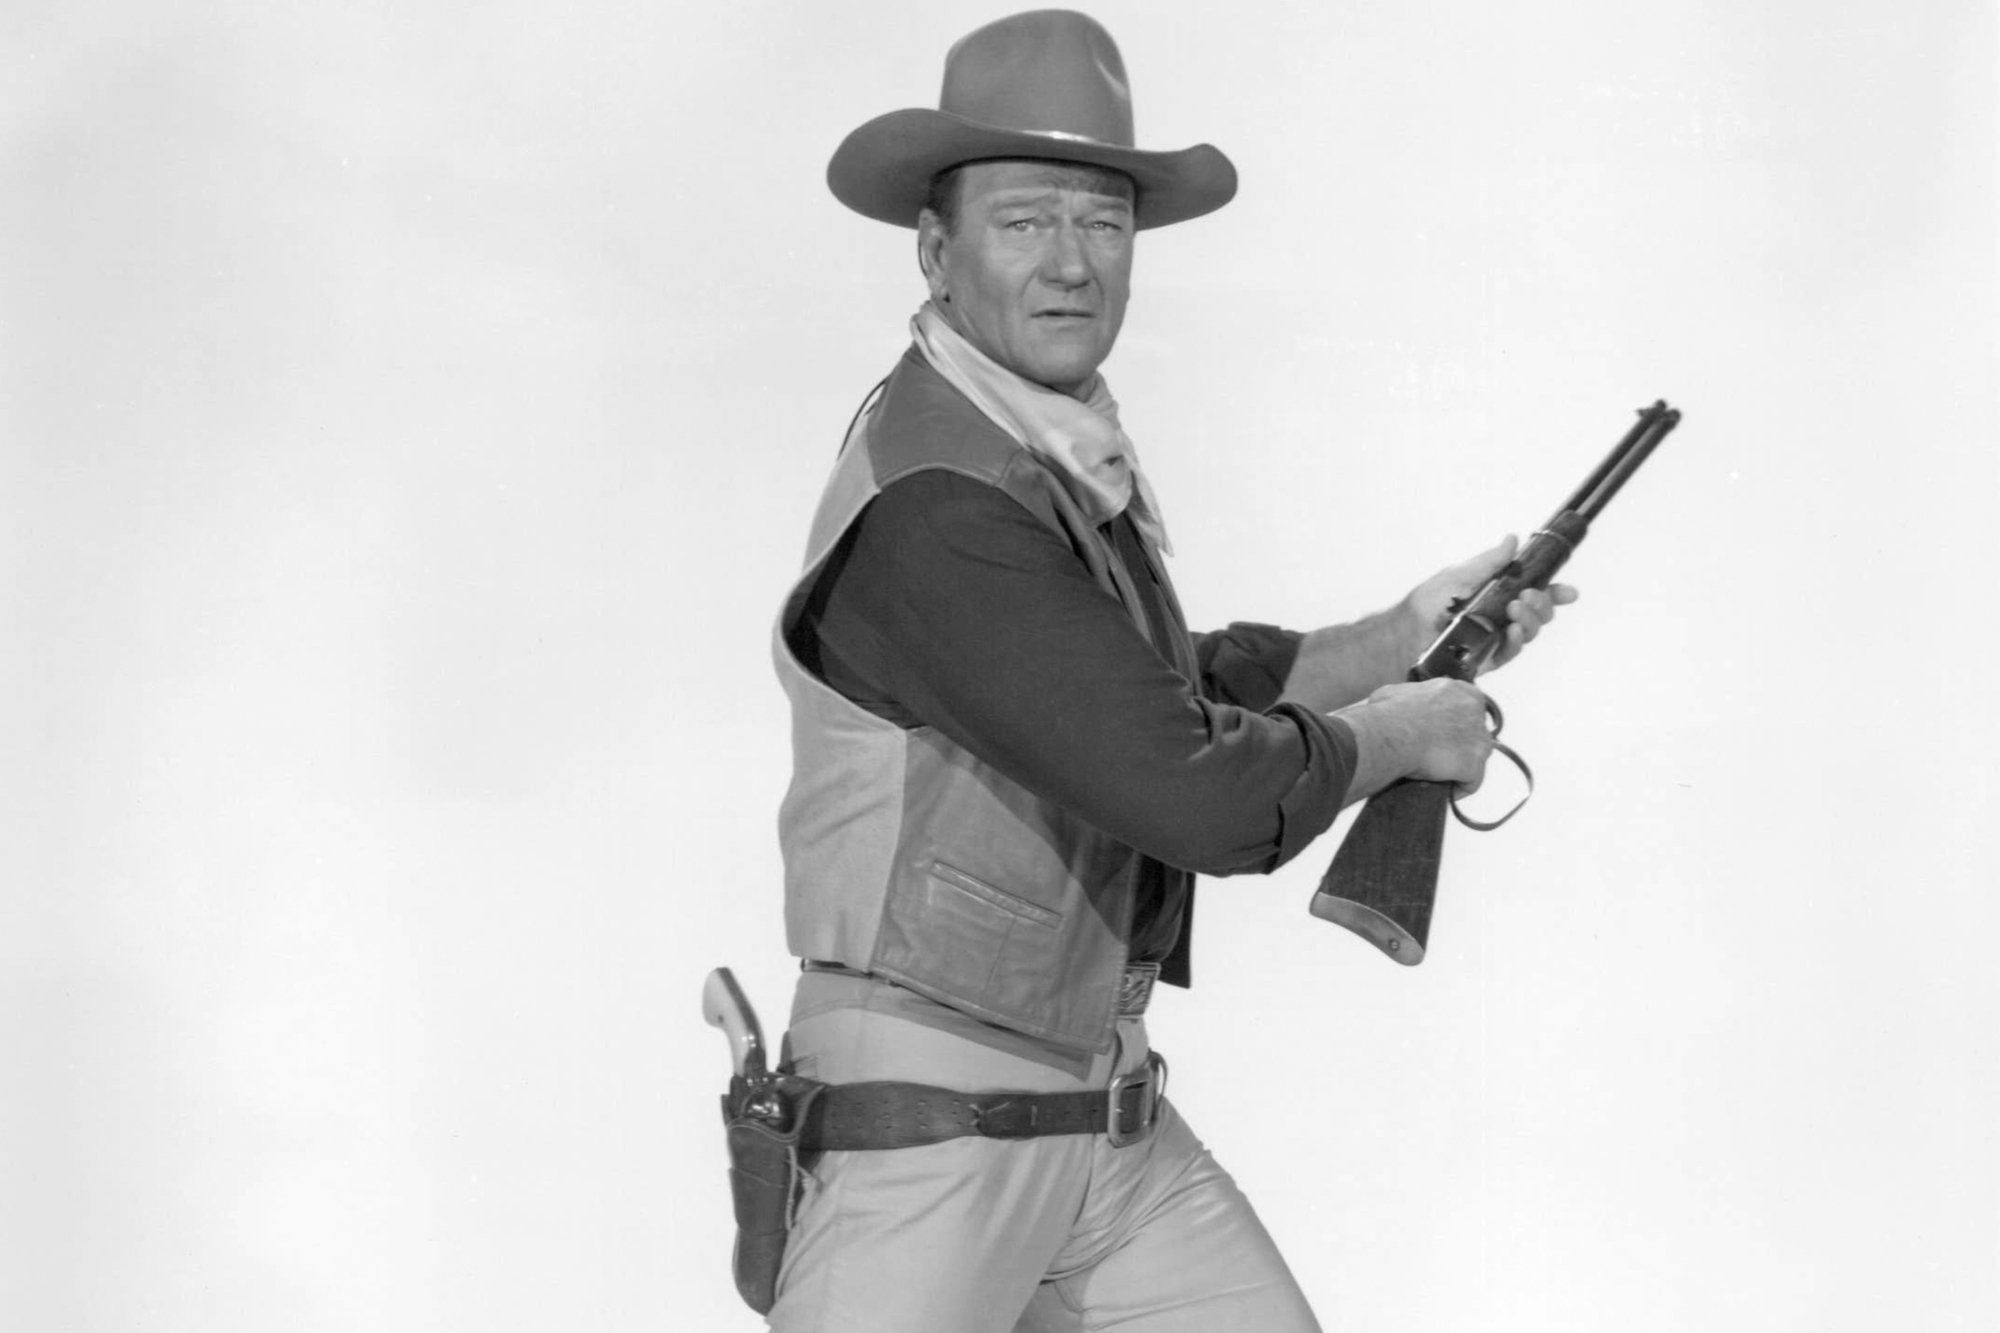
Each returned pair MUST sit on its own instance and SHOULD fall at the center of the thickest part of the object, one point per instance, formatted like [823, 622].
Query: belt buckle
[1153, 1079]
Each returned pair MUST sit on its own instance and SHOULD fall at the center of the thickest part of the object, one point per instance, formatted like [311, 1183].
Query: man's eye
[1105, 224]
[1019, 224]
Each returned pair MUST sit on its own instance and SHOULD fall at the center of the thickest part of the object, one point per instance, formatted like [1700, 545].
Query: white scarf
[1082, 438]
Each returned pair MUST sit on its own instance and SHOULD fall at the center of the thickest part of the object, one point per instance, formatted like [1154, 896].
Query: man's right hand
[1433, 729]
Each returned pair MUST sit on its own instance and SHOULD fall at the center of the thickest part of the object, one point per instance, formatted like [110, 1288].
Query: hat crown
[1049, 71]
[1048, 84]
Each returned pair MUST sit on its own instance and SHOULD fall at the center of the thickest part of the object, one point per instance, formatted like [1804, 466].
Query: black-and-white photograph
[1182, 668]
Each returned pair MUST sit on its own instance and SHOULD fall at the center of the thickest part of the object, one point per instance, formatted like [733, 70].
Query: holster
[762, 1119]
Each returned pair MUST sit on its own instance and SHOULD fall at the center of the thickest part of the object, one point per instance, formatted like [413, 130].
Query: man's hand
[1433, 729]
[1340, 664]
[1428, 607]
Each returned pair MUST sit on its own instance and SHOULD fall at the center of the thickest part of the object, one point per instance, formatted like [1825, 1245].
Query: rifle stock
[1382, 884]
[1383, 880]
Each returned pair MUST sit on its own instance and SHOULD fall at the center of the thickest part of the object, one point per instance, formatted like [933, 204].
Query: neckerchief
[1082, 438]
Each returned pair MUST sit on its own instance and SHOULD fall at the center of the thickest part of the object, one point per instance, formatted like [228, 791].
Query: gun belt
[850, 1117]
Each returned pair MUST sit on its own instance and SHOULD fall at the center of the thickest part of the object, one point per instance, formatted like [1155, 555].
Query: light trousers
[976, 1235]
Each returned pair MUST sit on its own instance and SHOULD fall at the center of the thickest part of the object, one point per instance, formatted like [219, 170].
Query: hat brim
[883, 170]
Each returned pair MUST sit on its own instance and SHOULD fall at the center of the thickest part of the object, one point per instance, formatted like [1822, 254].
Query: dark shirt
[947, 604]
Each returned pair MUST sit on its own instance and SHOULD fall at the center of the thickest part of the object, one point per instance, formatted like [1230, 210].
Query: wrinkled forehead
[1030, 176]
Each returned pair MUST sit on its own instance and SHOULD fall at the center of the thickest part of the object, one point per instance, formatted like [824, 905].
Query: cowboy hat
[1046, 84]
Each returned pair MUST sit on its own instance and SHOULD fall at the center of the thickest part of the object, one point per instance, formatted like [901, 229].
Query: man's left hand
[1429, 602]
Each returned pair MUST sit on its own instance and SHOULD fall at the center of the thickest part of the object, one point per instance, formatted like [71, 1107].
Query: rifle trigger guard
[1488, 825]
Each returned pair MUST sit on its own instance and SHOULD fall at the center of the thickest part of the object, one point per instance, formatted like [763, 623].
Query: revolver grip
[725, 1006]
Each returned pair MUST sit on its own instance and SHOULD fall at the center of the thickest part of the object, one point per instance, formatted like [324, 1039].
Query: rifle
[1383, 880]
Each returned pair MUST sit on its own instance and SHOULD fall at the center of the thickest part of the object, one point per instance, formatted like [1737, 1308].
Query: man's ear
[931, 238]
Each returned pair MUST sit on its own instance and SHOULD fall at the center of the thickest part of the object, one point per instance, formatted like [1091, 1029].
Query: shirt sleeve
[949, 605]
[1247, 663]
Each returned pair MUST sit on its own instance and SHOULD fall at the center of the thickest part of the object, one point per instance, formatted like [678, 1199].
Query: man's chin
[1072, 386]
[1065, 375]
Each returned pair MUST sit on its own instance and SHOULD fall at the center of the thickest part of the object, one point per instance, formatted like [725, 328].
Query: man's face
[1039, 268]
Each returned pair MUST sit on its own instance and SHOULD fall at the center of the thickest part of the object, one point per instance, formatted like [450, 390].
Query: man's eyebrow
[1031, 194]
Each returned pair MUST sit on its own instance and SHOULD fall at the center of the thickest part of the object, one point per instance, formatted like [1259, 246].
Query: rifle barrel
[1623, 460]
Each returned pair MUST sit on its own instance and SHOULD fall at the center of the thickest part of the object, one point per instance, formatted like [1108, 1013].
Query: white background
[409, 420]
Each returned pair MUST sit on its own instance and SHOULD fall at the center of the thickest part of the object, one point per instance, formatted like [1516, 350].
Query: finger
[1509, 649]
[1532, 605]
[1478, 779]
[1530, 611]
[1562, 593]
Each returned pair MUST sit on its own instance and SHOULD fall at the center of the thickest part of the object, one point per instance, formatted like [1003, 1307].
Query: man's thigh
[1173, 1247]
[955, 1236]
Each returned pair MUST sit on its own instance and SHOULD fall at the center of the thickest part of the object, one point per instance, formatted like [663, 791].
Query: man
[1011, 756]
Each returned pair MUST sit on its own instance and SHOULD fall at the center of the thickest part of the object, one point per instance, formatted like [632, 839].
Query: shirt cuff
[1314, 801]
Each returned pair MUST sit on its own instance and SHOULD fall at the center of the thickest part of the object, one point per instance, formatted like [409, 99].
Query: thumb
[1489, 562]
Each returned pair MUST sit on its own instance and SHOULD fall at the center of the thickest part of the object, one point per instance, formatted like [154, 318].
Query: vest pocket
[964, 942]
[1007, 902]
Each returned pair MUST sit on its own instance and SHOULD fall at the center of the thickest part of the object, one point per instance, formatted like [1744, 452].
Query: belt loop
[1135, 988]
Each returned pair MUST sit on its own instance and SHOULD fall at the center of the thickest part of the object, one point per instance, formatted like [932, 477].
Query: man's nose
[1066, 262]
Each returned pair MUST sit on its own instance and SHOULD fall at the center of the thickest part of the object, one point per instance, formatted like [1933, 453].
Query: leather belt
[850, 1117]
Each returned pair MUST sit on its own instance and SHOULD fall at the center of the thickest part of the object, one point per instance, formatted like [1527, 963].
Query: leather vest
[905, 855]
